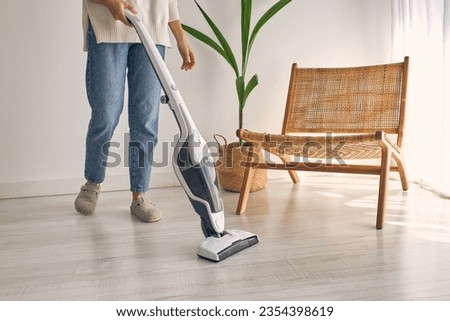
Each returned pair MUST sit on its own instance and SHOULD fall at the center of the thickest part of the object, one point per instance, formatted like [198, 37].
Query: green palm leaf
[266, 17]
[207, 40]
[226, 47]
[250, 86]
[246, 14]
[240, 86]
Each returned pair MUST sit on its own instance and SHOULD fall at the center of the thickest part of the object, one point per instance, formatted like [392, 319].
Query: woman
[114, 55]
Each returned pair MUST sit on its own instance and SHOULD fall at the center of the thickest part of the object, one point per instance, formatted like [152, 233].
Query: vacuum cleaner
[194, 165]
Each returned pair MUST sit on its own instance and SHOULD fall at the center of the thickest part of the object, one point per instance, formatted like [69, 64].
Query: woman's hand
[117, 9]
[187, 55]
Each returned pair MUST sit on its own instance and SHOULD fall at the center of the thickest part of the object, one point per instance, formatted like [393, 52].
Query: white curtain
[421, 30]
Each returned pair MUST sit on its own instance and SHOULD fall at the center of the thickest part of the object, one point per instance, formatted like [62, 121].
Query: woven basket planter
[230, 170]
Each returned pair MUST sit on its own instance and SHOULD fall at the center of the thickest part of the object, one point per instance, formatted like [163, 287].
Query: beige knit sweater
[155, 14]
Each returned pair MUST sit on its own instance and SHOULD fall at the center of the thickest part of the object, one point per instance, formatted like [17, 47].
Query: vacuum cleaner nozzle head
[232, 241]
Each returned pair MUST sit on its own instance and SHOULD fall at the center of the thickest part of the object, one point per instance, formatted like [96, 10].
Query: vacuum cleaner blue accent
[194, 165]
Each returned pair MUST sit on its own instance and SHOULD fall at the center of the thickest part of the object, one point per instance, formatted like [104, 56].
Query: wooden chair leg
[383, 189]
[294, 177]
[245, 189]
[293, 174]
[401, 171]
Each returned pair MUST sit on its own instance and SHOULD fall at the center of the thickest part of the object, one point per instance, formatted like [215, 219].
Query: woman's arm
[117, 10]
[185, 50]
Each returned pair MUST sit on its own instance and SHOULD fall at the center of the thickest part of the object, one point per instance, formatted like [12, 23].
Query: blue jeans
[106, 72]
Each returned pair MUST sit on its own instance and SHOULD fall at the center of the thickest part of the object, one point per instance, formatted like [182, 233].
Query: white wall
[44, 110]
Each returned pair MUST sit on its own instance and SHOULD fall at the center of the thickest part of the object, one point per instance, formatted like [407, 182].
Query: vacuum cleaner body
[194, 165]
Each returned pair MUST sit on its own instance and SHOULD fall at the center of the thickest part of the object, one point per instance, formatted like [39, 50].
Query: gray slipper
[86, 200]
[145, 210]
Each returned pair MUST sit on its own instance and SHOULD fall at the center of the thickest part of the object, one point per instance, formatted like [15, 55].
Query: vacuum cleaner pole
[194, 165]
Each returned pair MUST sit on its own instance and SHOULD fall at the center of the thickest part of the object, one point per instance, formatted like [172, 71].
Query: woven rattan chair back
[338, 113]
[346, 100]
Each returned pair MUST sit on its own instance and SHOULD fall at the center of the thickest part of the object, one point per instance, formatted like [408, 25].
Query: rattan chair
[334, 115]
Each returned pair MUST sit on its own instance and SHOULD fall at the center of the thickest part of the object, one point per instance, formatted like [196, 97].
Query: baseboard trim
[72, 185]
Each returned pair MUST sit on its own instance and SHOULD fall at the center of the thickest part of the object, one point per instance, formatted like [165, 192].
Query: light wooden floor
[317, 242]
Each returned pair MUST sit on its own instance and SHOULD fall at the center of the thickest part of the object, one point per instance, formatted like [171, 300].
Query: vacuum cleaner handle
[173, 96]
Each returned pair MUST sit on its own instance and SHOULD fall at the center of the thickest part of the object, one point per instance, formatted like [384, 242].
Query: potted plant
[231, 155]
